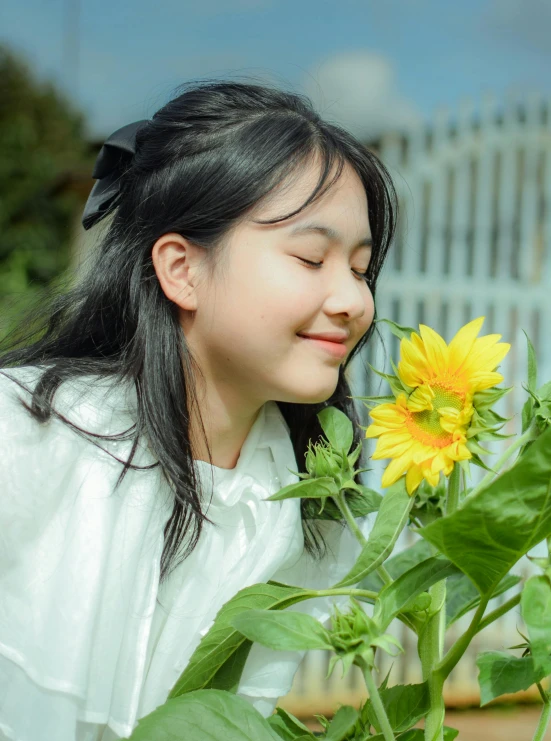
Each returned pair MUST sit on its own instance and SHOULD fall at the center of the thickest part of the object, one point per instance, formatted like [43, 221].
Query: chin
[311, 397]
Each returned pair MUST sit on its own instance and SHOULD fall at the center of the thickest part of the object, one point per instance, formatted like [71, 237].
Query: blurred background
[454, 98]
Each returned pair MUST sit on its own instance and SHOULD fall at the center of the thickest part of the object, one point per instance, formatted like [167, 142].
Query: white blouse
[89, 641]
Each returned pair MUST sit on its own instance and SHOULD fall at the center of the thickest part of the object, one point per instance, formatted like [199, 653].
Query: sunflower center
[425, 426]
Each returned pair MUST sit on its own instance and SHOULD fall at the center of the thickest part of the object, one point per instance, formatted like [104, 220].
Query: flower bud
[310, 459]
[354, 635]
[320, 461]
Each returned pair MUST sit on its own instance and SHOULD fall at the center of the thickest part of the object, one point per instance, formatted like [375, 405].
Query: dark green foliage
[42, 152]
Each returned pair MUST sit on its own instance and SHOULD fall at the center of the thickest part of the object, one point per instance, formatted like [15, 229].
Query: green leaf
[474, 447]
[391, 520]
[462, 596]
[532, 365]
[282, 631]
[388, 643]
[501, 523]
[398, 330]
[487, 398]
[375, 400]
[535, 604]
[219, 658]
[288, 727]
[337, 427]
[395, 596]
[450, 733]
[204, 715]
[324, 486]
[418, 734]
[361, 501]
[355, 454]
[399, 564]
[405, 705]
[500, 673]
[475, 460]
[342, 724]
[394, 382]
[407, 389]
[228, 675]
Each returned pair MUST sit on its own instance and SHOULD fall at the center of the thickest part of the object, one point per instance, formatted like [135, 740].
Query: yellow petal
[486, 354]
[389, 448]
[432, 477]
[463, 342]
[449, 413]
[436, 349]
[388, 414]
[485, 380]
[413, 367]
[395, 469]
[413, 478]
[421, 399]
[375, 430]
[438, 463]
[422, 455]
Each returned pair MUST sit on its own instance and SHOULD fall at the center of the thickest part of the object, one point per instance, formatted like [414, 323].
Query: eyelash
[363, 276]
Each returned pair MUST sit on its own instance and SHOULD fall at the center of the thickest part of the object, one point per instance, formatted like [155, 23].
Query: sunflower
[443, 394]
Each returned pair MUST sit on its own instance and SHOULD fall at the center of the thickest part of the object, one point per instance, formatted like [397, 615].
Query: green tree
[42, 148]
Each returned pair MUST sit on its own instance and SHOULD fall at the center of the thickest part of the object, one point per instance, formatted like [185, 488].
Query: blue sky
[369, 64]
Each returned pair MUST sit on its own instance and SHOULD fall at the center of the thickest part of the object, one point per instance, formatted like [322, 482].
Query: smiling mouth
[336, 349]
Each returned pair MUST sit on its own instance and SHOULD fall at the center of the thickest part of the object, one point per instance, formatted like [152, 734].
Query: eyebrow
[328, 232]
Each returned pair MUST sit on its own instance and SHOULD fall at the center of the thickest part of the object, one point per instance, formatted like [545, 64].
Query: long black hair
[203, 162]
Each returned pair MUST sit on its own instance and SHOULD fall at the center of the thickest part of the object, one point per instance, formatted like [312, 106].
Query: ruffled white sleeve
[78, 578]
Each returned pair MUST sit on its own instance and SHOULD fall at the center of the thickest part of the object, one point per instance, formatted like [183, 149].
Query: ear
[175, 260]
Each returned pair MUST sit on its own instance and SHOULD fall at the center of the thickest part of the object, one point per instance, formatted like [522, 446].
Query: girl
[169, 392]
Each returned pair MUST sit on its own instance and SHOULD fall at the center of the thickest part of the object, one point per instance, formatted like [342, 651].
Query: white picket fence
[474, 239]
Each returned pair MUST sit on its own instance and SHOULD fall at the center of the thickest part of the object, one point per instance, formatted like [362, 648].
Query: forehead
[341, 211]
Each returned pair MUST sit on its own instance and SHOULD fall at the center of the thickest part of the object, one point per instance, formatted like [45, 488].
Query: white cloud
[358, 91]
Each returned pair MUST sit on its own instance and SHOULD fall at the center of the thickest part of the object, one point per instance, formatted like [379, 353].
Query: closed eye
[319, 264]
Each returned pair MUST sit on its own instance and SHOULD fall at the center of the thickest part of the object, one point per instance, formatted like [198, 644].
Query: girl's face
[245, 329]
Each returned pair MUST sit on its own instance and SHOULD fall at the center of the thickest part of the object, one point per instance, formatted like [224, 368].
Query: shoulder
[83, 407]
[46, 467]
[88, 399]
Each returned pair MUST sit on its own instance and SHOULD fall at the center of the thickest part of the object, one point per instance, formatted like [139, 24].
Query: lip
[336, 349]
[335, 336]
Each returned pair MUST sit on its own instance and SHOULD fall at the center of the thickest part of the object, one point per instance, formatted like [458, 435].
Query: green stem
[432, 646]
[377, 703]
[519, 442]
[385, 576]
[498, 612]
[453, 490]
[371, 596]
[542, 692]
[539, 735]
[342, 504]
[430, 652]
[460, 646]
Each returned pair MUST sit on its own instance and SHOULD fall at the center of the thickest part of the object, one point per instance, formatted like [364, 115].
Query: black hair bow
[116, 151]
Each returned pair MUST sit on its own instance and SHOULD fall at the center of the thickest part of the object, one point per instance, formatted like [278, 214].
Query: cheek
[370, 306]
[277, 295]
[369, 313]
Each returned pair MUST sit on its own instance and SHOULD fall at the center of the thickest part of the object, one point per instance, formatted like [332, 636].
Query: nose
[347, 294]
